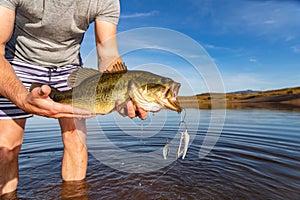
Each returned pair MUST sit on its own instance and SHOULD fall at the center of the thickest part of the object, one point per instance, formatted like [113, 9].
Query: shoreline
[285, 99]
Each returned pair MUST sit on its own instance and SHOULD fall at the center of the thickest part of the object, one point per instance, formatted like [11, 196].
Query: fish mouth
[154, 102]
[172, 101]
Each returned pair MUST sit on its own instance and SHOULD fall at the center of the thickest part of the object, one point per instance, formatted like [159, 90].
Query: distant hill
[244, 92]
[287, 98]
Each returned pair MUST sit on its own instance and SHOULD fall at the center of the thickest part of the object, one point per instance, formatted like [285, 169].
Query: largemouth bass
[99, 92]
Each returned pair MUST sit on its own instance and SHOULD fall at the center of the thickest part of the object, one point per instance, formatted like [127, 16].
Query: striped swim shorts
[28, 74]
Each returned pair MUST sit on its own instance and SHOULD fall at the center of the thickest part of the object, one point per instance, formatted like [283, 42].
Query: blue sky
[255, 44]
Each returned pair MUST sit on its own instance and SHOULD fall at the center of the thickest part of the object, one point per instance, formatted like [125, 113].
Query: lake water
[256, 155]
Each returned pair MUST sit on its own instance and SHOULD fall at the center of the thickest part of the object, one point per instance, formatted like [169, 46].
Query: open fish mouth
[175, 89]
[172, 100]
[161, 97]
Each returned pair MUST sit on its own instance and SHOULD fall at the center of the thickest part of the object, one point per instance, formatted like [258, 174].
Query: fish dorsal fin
[79, 75]
[119, 67]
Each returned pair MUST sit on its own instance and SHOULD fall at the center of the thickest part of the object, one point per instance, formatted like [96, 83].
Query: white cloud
[214, 47]
[296, 49]
[138, 15]
[262, 18]
[270, 22]
[244, 81]
[289, 38]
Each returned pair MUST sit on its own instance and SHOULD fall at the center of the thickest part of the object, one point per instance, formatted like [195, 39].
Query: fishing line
[142, 131]
[182, 120]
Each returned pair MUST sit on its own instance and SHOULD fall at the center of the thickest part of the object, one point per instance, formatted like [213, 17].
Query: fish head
[157, 93]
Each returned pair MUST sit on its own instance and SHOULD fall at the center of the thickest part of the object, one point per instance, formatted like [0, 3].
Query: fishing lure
[186, 139]
[166, 149]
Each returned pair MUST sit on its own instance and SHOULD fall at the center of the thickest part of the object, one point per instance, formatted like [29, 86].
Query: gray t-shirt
[49, 32]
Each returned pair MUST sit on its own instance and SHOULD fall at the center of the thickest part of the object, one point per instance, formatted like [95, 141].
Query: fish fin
[120, 107]
[119, 67]
[79, 75]
[132, 90]
[132, 86]
[136, 96]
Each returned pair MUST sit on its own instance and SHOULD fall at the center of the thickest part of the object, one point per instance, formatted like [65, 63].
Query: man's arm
[37, 101]
[108, 55]
[106, 44]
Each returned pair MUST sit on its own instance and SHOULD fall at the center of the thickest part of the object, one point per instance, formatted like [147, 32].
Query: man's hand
[131, 111]
[38, 102]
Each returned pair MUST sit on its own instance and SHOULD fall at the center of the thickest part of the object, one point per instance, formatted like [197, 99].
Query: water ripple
[256, 157]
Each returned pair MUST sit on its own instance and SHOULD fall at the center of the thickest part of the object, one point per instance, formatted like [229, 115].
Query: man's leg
[74, 162]
[11, 138]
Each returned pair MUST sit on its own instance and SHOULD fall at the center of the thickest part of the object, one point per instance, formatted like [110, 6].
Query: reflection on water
[74, 190]
[257, 156]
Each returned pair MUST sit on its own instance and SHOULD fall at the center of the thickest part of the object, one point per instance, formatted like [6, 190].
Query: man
[40, 42]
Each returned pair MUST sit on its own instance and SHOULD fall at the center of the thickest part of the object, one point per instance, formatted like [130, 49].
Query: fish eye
[164, 80]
